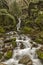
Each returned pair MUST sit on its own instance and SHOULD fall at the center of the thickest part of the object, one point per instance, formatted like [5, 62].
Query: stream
[28, 50]
[18, 53]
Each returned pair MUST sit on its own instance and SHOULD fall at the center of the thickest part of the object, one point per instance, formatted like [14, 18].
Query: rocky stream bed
[22, 53]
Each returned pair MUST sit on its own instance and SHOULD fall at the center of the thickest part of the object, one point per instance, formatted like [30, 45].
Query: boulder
[25, 60]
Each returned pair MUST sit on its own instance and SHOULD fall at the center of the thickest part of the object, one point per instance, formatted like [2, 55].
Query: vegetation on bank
[40, 53]
[7, 20]
[33, 23]
[30, 24]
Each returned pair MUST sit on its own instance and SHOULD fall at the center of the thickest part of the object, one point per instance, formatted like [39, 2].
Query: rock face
[25, 60]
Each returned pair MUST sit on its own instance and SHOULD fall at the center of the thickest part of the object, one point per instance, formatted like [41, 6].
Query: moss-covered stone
[8, 54]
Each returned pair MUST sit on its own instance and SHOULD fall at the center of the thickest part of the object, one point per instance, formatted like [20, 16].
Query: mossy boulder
[8, 54]
[40, 53]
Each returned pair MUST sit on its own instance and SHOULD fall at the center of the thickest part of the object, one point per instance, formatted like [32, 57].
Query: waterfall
[18, 25]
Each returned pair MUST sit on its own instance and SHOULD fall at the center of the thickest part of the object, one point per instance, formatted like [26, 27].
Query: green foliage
[7, 20]
[33, 24]
[14, 42]
[3, 4]
[39, 19]
[27, 30]
[40, 54]
[39, 40]
[14, 39]
[41, 34]
[2, 30]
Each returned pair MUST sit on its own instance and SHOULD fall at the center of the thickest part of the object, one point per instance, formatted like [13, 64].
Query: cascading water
[18, 25]
[18, 53]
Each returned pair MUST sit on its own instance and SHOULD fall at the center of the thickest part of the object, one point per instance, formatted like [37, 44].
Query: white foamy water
[18, 53]
[18, 25]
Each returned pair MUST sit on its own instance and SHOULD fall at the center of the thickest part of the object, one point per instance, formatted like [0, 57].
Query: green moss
[8, 54]
[14, 44]
[27, 30]
[14, 39]
[7, 21]
[40, 54]
[38, 40]
[41, 34]
[0, 55]
[2, 30]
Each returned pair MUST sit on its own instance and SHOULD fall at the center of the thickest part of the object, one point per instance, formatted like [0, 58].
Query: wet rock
[34, 45]
[1, 45]
[29, 63]
[2, 64]
[8, 46]
[24, 38]
[20, 38]
[22, 46]
[25, 60]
